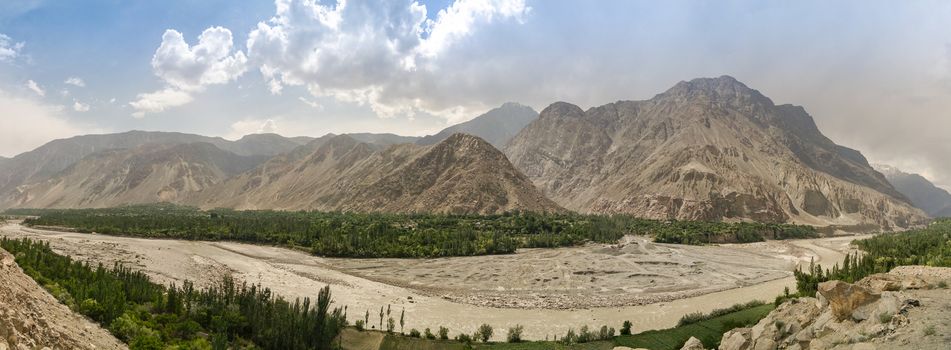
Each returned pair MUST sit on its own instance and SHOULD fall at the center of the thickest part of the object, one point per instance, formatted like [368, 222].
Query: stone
[844, 298]
[693, 344]
[765, 344]
[736, 339]
[888, 304]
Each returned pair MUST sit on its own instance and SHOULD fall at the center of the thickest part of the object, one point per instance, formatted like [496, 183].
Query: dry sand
[546, 290]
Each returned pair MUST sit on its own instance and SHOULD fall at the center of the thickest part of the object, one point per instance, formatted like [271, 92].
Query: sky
[875, 75]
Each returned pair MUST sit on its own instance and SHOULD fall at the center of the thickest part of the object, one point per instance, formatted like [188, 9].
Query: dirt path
[689, 279]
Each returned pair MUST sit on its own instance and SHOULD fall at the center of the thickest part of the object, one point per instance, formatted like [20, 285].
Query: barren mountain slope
[146, 174]
[31, 318]
[461, 174]
[705, 149]
[55, 156]
[496, 126]
[923, 194]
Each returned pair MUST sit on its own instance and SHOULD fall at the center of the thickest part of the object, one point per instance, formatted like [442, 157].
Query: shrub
[603, 333]
[429, 335]
[359, 324]
[443, 333]
[626, 328]
[930, 330]
[464, 338]
[943, 284]
[515, 334]
[484, 333]
[414, 333]
[885, 317]
[570, 337]
[584, 335]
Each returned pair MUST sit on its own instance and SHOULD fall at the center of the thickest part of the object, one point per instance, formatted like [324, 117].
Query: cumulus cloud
[158, 101]
[33, 86]
[8, 48]
[28, 124]
[252, 126]
[80, 107]
[75, 81]
[188, 69]
[385, 55]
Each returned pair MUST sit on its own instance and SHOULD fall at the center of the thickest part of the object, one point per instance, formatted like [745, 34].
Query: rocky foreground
[907, 308]
[31, 318]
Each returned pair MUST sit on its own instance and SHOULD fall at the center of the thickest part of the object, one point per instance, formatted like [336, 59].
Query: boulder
[887, 282]
[845, 298]
[736, 339]
[693, 344]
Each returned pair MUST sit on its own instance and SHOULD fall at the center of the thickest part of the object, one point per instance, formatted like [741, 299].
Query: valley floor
[546, 290]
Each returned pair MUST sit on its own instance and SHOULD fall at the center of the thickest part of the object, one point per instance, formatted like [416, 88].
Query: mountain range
[923, 194]
[707, 149]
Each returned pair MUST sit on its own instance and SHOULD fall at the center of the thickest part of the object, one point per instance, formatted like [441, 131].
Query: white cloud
[252, 126]
[384, 55]
[8, 48]
[75, 81]
[158, 101]
[187, 70]
[33, 86]
[313, 104]
[80, 107]
[194, 67]
[27, 125]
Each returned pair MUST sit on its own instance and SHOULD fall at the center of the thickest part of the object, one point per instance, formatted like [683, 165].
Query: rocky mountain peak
[561, 109]
[723, 89]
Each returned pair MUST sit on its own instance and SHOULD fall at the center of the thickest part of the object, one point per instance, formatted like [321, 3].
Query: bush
[414, 333]
[463, 338]
[570, 337]
[484, 333]
[930, 330]
[359, 324]
[515, 334]
[429, 334]
[443, 333]
[885, 317]
[585, 335]
[626, 328]
[943, 284]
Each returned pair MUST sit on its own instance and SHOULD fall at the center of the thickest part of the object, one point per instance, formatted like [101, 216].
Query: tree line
[367, 235]
[930, 246]
[148, 315]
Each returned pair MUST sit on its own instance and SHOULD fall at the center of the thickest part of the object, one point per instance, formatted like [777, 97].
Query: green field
[708, 331]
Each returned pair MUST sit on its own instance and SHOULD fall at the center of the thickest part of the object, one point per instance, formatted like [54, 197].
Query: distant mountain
[383, 139]
[707, 149]
[923, 194]
[462, 174]
[145, 174]
[496, 126]
[55, 156]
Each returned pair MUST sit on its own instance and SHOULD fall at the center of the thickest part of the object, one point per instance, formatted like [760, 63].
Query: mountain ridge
[707, 149]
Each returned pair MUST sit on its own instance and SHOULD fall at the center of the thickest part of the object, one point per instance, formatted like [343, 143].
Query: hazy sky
[875, 75]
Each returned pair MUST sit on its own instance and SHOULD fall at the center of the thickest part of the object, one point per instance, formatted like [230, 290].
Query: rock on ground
[31, 318]
[903, 309]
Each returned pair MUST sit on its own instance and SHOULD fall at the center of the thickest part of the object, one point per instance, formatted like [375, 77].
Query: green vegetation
[700, 232]
[147, 315]
[366, 235]
[929, 246]
[709, 330]
[697, 317]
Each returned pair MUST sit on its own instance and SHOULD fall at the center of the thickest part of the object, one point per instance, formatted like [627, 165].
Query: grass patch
[708, 331]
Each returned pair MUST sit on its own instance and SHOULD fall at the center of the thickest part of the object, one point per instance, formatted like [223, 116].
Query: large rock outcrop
[707, 149]
[898, 310]
[31, 318]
